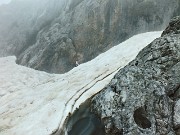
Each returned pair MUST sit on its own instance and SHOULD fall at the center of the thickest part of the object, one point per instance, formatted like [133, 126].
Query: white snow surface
[37, 103]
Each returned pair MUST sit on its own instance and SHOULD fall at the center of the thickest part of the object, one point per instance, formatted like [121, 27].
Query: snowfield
[37, 103]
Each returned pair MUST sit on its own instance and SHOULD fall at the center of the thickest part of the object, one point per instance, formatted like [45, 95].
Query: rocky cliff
[52, 34]
[144, 97]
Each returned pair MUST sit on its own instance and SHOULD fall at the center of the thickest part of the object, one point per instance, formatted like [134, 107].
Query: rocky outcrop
[56, 33]
[174, 27]
[144, 97]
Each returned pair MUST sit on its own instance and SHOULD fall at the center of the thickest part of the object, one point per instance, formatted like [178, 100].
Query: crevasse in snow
[37, 103]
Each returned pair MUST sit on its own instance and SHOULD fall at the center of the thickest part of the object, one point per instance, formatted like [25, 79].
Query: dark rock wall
[61, 32]
[143, 98]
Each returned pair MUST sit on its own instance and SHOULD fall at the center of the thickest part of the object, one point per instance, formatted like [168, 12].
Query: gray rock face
[177, 117]
[143, 98]
[51, 37]
[174, 27]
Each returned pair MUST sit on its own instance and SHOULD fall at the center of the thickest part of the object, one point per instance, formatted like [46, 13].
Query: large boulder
[144, 97]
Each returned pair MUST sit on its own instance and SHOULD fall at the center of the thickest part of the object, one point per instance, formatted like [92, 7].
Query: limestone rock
[177, 117]
[174, 26]
[143, 97]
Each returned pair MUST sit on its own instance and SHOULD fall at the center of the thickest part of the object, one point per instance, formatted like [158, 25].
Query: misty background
[51, 35]
[4, 2]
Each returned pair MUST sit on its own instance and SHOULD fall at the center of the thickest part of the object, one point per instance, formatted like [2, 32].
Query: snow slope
[37, 103]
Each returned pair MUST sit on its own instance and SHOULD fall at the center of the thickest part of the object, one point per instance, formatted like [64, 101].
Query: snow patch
[37, 103]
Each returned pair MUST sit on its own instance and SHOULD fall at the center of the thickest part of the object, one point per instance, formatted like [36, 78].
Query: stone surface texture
[144, 97]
